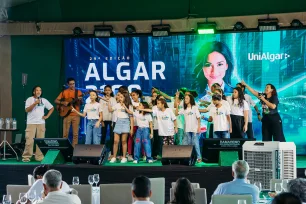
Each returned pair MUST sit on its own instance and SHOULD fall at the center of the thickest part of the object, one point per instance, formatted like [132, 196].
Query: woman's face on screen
[215, 68]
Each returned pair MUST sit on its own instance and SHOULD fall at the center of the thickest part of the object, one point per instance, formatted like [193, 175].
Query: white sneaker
[113, 160]
[130, 158]
[123, 160]
[150, 161]
[135, 162]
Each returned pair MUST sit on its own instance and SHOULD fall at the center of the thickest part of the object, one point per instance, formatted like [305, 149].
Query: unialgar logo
[267, 56]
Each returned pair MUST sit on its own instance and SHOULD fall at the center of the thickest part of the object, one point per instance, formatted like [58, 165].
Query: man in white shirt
[52, 182]
[35, 107]
[141, 190]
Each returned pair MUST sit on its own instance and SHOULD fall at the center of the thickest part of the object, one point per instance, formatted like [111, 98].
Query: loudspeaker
[178, 154]
[93, 154]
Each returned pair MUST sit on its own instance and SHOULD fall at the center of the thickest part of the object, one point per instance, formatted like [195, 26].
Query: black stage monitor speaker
[212, 147]
[93, 154]
[178, 154]
[61, 144]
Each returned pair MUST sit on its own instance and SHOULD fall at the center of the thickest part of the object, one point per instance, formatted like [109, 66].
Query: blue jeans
[221, 134]
[192, 138]
[142, 138]
[178, 137]
[93, 134]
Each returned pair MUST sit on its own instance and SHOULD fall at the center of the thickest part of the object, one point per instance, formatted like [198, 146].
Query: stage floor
[208, 175]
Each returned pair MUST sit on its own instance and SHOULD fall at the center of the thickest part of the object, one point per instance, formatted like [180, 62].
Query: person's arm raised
[255, 93]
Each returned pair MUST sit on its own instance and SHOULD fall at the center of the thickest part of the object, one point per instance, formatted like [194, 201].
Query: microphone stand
[24, 100]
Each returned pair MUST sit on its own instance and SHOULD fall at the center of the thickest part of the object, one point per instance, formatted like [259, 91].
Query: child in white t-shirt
[192, 117]
[124, 124]
[220, 115]
[239, 113]
[93, 110]
[144, 133]
[166, 120]
[107, 115]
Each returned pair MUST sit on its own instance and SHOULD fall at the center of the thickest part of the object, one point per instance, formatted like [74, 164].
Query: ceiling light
[103, 30]
[161, 30]
[77, 31]
[268, 24]
[207, 28]
[296, 23]
[130, 29]
[239, 26]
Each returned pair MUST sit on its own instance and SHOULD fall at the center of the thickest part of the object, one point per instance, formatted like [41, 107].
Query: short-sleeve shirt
[143, 121]
[266, 110]
[93, 110]
[191, 116]
[36, 115]
[236, 109]
[67, 94]
[120, 111]
[165, 121]
[219, 116]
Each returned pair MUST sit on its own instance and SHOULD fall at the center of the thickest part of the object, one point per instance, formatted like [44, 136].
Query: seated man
[239, 185]
[298, 188]
[38, 174]
[52, 182]
[141, 190]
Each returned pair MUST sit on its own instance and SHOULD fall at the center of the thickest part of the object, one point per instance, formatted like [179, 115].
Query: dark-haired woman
[239, 113]
[272, 126]
[214, 64]
[183, 192]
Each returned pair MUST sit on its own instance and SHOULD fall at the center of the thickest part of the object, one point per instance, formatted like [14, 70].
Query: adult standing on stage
[73, 118]
[272, 126]
[35, 107]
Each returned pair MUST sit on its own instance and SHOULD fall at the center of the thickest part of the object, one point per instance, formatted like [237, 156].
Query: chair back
[14, 191]
[274, 181]
[84, 192]
[200, 195]
[158, 190]
[115, 193]
[31, 180]
[231, 199]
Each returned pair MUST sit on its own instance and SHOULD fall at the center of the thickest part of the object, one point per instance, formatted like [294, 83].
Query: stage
[208, 175]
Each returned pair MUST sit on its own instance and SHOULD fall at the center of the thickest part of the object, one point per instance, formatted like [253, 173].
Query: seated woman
[183, 192]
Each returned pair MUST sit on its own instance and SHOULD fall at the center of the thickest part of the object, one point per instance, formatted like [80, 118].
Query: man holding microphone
[35, 107]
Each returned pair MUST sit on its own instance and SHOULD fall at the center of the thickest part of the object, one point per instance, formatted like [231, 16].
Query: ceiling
[129, 10]
[11, 3]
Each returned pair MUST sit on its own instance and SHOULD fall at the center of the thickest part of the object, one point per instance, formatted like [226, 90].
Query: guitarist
[73, 118]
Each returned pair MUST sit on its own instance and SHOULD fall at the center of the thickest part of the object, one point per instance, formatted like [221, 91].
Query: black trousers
[272, 127]
[250, 132]
[237, 126]
[155, 144]
[107, 124]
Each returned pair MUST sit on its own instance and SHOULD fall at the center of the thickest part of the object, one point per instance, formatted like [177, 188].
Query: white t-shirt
[155, 123]
[120, 111]
[35, 116]
[135, 104]
[235, 108]
[148, 99]
[143, 120]
[93, 110]
[165, 121]
[191, 116]
[219, 118]
[250, 101]
[107, 116]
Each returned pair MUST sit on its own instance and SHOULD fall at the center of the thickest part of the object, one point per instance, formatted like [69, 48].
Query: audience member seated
[239, 185]
[298, 188]
[286, 198]
[52, 182]
[38, 174]
[141, 190]
[183, 192]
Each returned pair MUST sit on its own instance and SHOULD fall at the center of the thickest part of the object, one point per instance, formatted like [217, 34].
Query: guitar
[64, 111]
